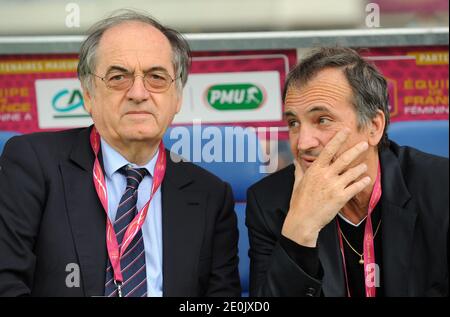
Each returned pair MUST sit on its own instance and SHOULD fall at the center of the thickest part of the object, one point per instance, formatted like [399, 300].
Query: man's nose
[137, 91]
[307, 139]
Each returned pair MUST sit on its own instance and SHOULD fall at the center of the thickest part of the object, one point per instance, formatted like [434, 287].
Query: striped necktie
[133, 260]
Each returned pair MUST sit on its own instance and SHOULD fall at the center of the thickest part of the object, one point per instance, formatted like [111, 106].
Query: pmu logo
[65, 102]
[242, 96]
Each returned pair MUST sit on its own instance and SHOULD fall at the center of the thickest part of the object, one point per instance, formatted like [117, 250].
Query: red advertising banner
[418, 81]
[19, 75]
[41, 92]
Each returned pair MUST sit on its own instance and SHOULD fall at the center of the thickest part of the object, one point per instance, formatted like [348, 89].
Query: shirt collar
[113, 160]
[349, 222]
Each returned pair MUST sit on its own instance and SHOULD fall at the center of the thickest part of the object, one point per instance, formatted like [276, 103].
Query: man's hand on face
[323, 189]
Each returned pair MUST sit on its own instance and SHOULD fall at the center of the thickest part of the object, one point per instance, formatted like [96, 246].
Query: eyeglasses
[154, 81]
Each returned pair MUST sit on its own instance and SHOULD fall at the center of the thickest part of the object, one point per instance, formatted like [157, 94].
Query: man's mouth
[138, 112]
[307, 160]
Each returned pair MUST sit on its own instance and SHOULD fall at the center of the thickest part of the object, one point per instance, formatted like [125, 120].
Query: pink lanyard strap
[115, 251]
[368, 245]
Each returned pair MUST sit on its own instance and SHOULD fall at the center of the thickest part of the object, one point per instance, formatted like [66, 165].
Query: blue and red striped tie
[133, 260]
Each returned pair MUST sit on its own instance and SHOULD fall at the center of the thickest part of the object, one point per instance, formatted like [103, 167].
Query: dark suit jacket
[50, 216]
[414, 212]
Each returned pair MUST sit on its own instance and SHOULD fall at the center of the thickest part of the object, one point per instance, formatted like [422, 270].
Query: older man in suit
[103, 210]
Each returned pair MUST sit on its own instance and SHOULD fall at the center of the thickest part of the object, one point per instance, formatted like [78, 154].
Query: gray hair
[181, 56]
[369, 87]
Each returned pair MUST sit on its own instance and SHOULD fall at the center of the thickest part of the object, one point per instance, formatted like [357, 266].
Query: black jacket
[50, 216]
[414, 213]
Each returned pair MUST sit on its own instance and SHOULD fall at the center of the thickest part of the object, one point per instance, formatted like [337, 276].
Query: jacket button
[310, 291]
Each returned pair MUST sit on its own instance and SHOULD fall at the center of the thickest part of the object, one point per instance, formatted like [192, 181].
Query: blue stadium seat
[427, 136]
[4, 137]
[239, 174]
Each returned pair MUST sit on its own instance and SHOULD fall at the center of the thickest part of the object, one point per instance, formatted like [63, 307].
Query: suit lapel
[183, 218]
[86, 216]
[398, 221]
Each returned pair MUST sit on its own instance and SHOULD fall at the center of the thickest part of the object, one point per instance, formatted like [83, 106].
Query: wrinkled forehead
[328, 78]
[134, 45]
[328, 84]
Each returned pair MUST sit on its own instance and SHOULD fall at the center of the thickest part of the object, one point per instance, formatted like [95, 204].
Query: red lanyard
[115, 251]
[368, 251]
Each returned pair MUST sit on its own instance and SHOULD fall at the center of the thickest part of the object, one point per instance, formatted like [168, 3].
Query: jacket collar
[399, 215]
[183, 224]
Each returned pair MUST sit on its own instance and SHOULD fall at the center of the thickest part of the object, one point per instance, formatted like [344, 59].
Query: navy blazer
[50, 217]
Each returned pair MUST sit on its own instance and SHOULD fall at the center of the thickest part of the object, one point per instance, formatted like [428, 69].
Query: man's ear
[376, 128]
[179, 102]
[87, 100]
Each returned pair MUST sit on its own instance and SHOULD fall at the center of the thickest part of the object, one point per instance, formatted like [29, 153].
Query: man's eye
[293, 124]
[324, 120]
[154, 76]
[117, 77]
